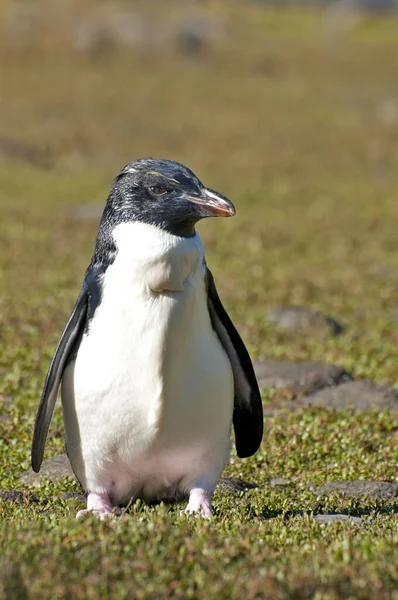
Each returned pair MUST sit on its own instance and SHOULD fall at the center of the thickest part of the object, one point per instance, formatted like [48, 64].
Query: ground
[298, 124]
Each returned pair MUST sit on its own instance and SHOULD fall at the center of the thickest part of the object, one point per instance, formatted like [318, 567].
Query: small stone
[376, 5]
[388, 111]
[279, 482]
[195, 32]
[236, 485]
[99, 37]
[6, 400]
[52, 469]
[295, 319]
[360, 489]
[298, 377]
[361, 395]
[272, 410]
[13, 496]
[336, 518]
[73, 496]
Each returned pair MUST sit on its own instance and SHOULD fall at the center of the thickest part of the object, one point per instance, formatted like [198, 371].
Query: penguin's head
[163, 193]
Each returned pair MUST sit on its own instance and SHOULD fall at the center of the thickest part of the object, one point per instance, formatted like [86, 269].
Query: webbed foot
[200, 503]
[97, 504]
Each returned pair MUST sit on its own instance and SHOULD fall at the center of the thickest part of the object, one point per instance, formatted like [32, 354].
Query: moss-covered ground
[300, 129]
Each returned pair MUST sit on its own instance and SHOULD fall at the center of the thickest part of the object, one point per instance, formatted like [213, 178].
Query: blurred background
[289, 108]
[249, 88]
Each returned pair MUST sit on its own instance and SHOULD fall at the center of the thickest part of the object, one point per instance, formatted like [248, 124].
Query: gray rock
[236, 485]
[91, 38]
[73, 496]
[52, 469]
[195, 33]
[376, 5]
[387, 111]
[272, 410]
[97, 37]
[13, 496]
[336, 518]
[294, 319]
[359, 489]
[126, 28]
[279, 482]
[361, 395]
[298, 377]
[6, 400]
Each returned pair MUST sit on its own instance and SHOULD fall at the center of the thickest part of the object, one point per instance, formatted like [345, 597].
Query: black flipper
[248, 409]
[73, 329]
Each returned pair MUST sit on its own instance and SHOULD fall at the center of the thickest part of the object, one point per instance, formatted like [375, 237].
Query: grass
[301, 134]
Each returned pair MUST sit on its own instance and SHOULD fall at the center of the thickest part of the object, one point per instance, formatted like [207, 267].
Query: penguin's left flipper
[71, 333]
[248, 409]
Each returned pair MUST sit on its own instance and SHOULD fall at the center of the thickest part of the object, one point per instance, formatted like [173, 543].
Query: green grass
[291, 128]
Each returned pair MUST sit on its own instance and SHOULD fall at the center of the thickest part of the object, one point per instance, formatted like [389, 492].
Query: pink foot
[99, 505]
[200, 503]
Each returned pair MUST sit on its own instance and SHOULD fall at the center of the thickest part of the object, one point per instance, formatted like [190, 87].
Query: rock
[126, 28]
[342, 16]
[336, 518]
[52, 469]
[13, 496]
[73, 496]
[298, 377]
[5, 401]
[279, 482]
[361, 395]
[388, 111]
[294, 319]
[375, 5]
[359, 489]
[194, 35]
[236, 485]
[271, 410]
[98, 37]
[91, 38]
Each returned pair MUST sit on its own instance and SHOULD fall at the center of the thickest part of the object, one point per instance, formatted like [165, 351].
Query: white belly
[148, 401]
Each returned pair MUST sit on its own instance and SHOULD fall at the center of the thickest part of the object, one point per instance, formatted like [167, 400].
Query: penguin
[153, 373]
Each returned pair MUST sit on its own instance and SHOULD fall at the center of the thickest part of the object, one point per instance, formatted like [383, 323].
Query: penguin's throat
[157, 259]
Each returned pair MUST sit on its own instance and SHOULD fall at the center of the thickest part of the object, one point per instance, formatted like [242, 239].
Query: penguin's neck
[154, 257]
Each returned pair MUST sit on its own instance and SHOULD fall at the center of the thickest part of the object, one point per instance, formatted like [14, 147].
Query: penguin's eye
[158, 190]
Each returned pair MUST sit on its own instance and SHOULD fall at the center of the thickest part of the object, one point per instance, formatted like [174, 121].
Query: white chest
[151, 376]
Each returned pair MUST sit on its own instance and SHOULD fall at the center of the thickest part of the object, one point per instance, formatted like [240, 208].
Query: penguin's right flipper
[73, 329]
